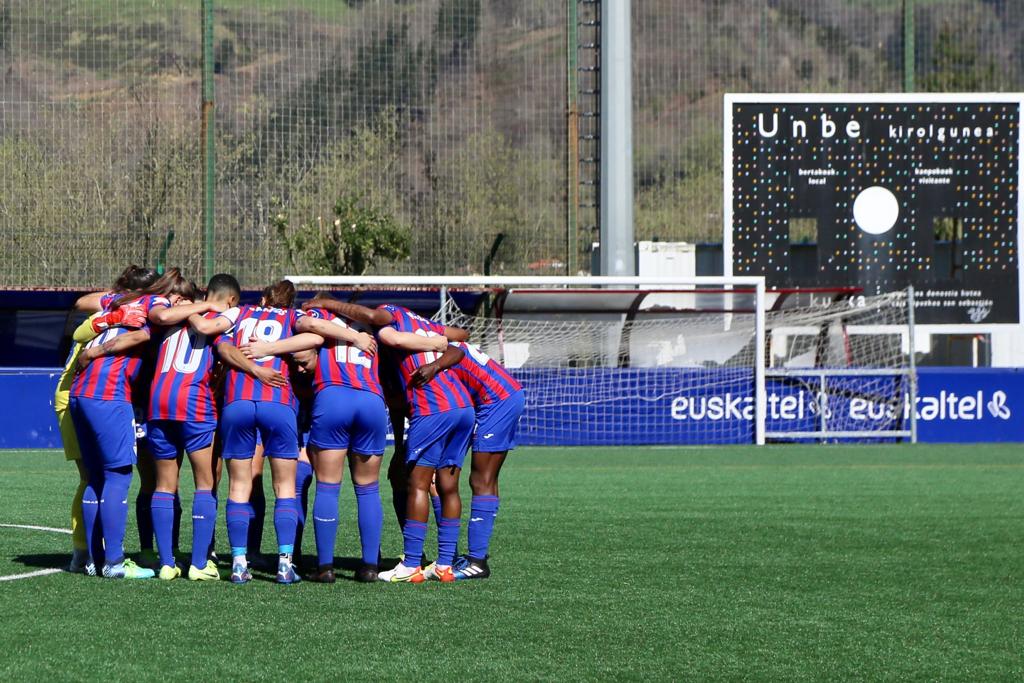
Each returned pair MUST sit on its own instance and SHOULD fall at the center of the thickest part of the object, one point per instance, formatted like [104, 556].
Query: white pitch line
[29, 575]
[36, 528]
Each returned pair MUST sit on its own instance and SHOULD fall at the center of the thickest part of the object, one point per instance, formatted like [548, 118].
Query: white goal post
[669, 356]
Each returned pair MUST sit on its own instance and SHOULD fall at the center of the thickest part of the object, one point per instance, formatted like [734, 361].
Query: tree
[359, 238]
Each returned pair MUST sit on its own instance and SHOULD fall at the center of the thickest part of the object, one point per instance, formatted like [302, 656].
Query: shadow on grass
[43, 560]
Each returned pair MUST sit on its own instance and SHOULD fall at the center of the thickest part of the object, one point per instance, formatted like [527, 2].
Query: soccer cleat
[148, 558]
[90, 569]
[444, 573]
[402, 574]
[286, 573]
[366, 573]
[322, 574]
[471, 568]
[169, 573]
[240, 573]
[127, 569]
[80, 562]
[430, 572]
[207, 573]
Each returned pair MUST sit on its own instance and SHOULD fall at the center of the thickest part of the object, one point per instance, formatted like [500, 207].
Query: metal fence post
[209, 149]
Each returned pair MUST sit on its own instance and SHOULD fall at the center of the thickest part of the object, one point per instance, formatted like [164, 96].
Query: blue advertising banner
[643, 406]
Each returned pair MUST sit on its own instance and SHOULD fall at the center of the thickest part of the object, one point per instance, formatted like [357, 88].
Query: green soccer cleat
[127, 570]
[168, 573]
[207, 573]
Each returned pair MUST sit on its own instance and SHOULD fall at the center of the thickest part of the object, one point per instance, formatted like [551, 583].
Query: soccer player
[440, 428]
[182, 418]
[104, 423]
[133, 277]
[349, 422]
[498, 399]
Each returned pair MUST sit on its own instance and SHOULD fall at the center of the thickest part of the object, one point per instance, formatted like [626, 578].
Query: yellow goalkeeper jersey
[82, 336]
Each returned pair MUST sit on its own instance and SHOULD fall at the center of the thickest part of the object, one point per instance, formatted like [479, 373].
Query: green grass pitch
[785, 563]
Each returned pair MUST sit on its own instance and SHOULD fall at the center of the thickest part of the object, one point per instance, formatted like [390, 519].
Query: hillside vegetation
[445, 119]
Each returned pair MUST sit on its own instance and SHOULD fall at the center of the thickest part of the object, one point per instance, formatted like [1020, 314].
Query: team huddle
[156, 375]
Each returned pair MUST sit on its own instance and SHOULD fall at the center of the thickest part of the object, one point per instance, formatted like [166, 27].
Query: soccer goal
[702, 360]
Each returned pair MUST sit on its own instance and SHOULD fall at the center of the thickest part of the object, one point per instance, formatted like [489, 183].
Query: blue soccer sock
[370, 513]
[237, 516]
[257, 517]
[483, 511]
[325, 521]
[303, 482]
[204, 521]
[176, 526]
[286, 517]
[447, 539]
[144, 519]
[91, 519]
[435, 502]
[163, 525]
[413, 534]
[114, 511]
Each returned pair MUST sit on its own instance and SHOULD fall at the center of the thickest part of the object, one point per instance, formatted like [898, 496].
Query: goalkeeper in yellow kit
[133, 277]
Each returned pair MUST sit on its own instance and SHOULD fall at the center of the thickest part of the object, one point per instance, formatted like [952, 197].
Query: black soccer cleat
[366, 573]
[471, 568]
[323, 574]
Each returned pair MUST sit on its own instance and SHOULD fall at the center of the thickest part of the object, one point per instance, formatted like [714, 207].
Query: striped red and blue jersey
[266, 324]
[343, 364]
[181, 382]
[445, 392]
[485, 378]
[110, 378]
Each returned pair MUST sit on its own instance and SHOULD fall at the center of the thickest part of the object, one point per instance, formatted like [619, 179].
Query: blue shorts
[242, 421]
[496, 424]
[347, 418]
[440, 440]
[168, 438]
[106, 432]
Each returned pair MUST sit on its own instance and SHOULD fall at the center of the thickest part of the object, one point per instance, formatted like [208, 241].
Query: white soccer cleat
[402, 574]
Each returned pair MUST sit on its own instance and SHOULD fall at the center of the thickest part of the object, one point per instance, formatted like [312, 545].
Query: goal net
[696, 362]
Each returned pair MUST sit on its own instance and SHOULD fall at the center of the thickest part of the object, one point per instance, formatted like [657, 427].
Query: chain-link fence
[407, 136]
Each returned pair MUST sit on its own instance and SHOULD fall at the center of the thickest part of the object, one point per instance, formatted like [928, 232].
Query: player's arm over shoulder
[456, 334]
[376, 317]
[216, 325]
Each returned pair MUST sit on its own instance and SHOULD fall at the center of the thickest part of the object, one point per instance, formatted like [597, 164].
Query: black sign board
[879, 192]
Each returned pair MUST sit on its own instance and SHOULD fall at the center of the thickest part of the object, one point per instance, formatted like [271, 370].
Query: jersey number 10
[184, 351]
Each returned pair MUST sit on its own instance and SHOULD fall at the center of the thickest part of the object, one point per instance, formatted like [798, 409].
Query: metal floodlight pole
[617, 253]
[209, 159]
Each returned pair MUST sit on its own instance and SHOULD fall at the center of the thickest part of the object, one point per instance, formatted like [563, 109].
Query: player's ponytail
[134, 278]
[280, 295]
[171, 282]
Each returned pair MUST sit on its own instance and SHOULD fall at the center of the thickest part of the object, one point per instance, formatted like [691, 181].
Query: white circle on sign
[875, 210]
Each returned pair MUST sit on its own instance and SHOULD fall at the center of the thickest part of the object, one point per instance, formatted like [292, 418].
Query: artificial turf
[809, 562]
